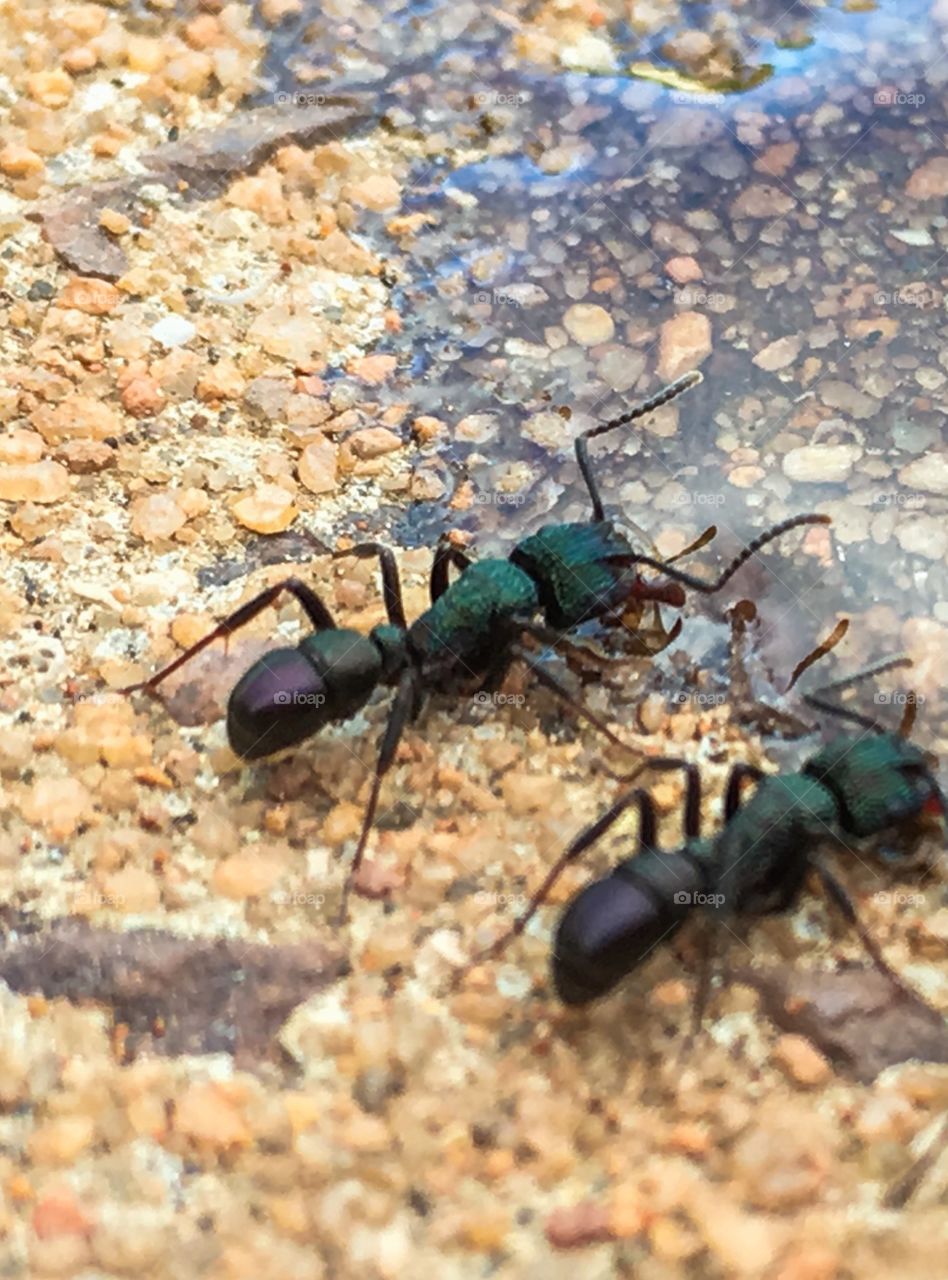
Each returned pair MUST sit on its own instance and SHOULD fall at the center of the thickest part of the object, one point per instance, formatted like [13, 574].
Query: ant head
[290, 694]
[609, 928]
[880, 781]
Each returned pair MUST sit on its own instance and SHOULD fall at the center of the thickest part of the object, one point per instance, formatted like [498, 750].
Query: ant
[470, 635]
[855, 787]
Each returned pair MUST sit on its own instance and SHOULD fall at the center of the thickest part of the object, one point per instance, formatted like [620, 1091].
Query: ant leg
[844, 904]
[703, 990]
[315, 610]
[403, 705]
[446, 554]
[637, 411]
[709, 588]
[550, 682]
[585, 840]
[739, 775]
[569, 648]
[817, 698]
[391, 583]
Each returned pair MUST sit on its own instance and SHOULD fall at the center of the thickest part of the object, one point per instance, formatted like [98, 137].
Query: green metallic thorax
[576, 570]
[878, 780]
[471, 621]
[763, 852]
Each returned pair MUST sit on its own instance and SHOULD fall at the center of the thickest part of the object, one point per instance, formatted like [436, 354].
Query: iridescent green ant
[554, 580]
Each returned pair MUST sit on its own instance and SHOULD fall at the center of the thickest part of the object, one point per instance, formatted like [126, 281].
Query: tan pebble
[373, 442]
[41, 482]
[588, 324]
[203, 32]
[86, 457]
[80, 60]
[670, 995]
[188, 628]
[59, 1213]
[427, 485]
[77, 417]
[928, 473]
[86, 293]
[57, 805]
[810, 1262]
[20, 447]
[690, 1139]
[425, 428]
[886, 1117]
[303, 1110]
[51, 88]
[684, 343]
[672, 1242]
[821, 463]
[144, 54]
[684, 269]
[929, 181]
[745, 477]
[923, 536]
[150, 775]
[221, 381]
[248, 874]
[157, 517]
[17, 161]
[131, 890]
[317, 466]
[529, 793]
[776, 160]
[373, 369]
[801, 1061]
[379, 191]
[778, 354]
[61, 1140]
[580, 1225]
[782, 1169]
[142, 397]
[484, 1232]
[267, 509]
[207, 1115]
[343, 822]
[762, 201]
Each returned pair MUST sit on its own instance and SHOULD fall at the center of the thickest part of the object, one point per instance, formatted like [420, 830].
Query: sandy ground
[222, 358]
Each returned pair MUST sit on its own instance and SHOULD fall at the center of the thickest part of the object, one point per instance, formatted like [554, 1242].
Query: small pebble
[821, 463]
[173, 331]
[685, 342]
[267, 509]
[317, 466]
[588, 324]
[34, 482]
